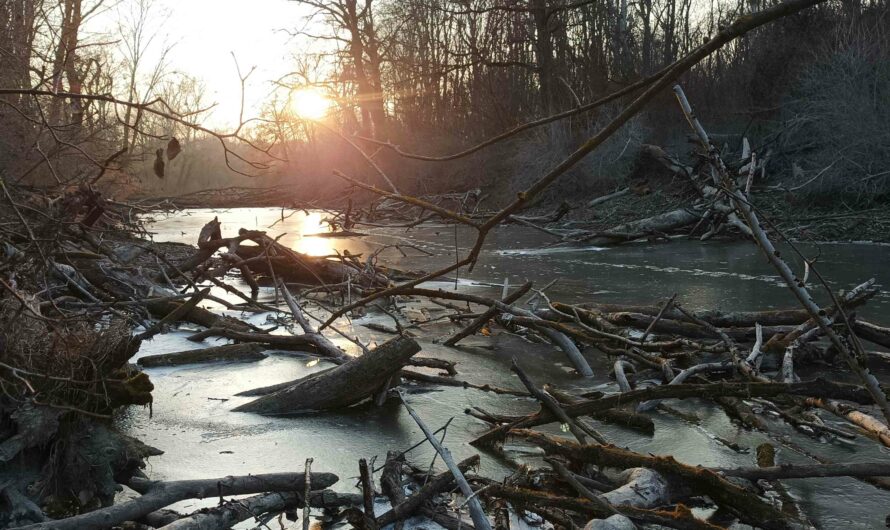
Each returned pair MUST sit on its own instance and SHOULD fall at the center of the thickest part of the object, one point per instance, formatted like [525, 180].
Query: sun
[310, 103]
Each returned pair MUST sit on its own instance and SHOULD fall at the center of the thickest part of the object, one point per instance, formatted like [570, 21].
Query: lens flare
[310, 103]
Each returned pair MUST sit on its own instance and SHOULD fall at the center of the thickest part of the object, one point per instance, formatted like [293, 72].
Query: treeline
[437, 76]
[84, 106]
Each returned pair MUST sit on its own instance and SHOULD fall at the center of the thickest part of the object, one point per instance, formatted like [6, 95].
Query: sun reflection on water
[313, 246]
[184, 227]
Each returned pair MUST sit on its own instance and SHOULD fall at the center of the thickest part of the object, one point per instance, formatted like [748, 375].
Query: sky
[205, 34]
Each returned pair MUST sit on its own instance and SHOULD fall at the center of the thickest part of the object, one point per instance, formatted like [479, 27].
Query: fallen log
[656, 225]
[325, 499]
[786, 471]
[178, 313]
[608, 197]
[341, 386]
[748, 507]
[157, 495]
[818, 387]
[687, 329]
[233, 512]
[247, 352]
[305, 343]
[449, 381]
[720, 319]
[322, 343]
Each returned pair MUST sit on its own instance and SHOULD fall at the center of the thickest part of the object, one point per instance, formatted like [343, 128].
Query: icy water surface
[193, 423]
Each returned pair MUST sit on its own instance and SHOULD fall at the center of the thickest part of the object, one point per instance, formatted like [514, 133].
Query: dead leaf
[159, 163]
[173, 148]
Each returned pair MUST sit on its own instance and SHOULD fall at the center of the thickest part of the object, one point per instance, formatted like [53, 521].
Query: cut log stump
[340, 386]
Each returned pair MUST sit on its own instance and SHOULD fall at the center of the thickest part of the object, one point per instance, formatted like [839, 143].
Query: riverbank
[811, 221]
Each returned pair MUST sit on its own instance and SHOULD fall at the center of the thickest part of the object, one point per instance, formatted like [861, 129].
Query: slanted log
[227, 353]
[341, 386]
[195, 315]
[811, 329]
[490, 313]
[324, 345]
[868, 423]
[872, 332]
[480, 519]
[210, 232]
[435, 485]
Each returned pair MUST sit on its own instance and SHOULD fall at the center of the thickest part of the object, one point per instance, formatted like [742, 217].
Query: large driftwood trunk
[341, 386]
[656, 225]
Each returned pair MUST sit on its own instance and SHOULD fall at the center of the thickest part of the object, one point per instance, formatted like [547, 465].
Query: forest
[388, 264]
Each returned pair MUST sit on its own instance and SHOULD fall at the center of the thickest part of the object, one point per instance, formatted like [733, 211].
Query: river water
[193, 423]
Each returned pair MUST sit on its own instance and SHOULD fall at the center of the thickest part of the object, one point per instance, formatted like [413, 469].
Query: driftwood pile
[80, 292]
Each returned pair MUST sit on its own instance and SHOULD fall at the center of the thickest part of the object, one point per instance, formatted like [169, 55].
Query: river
[193, 423]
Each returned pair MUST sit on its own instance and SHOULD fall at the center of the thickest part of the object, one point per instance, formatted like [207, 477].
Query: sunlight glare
[314, 246]
[310, 103]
